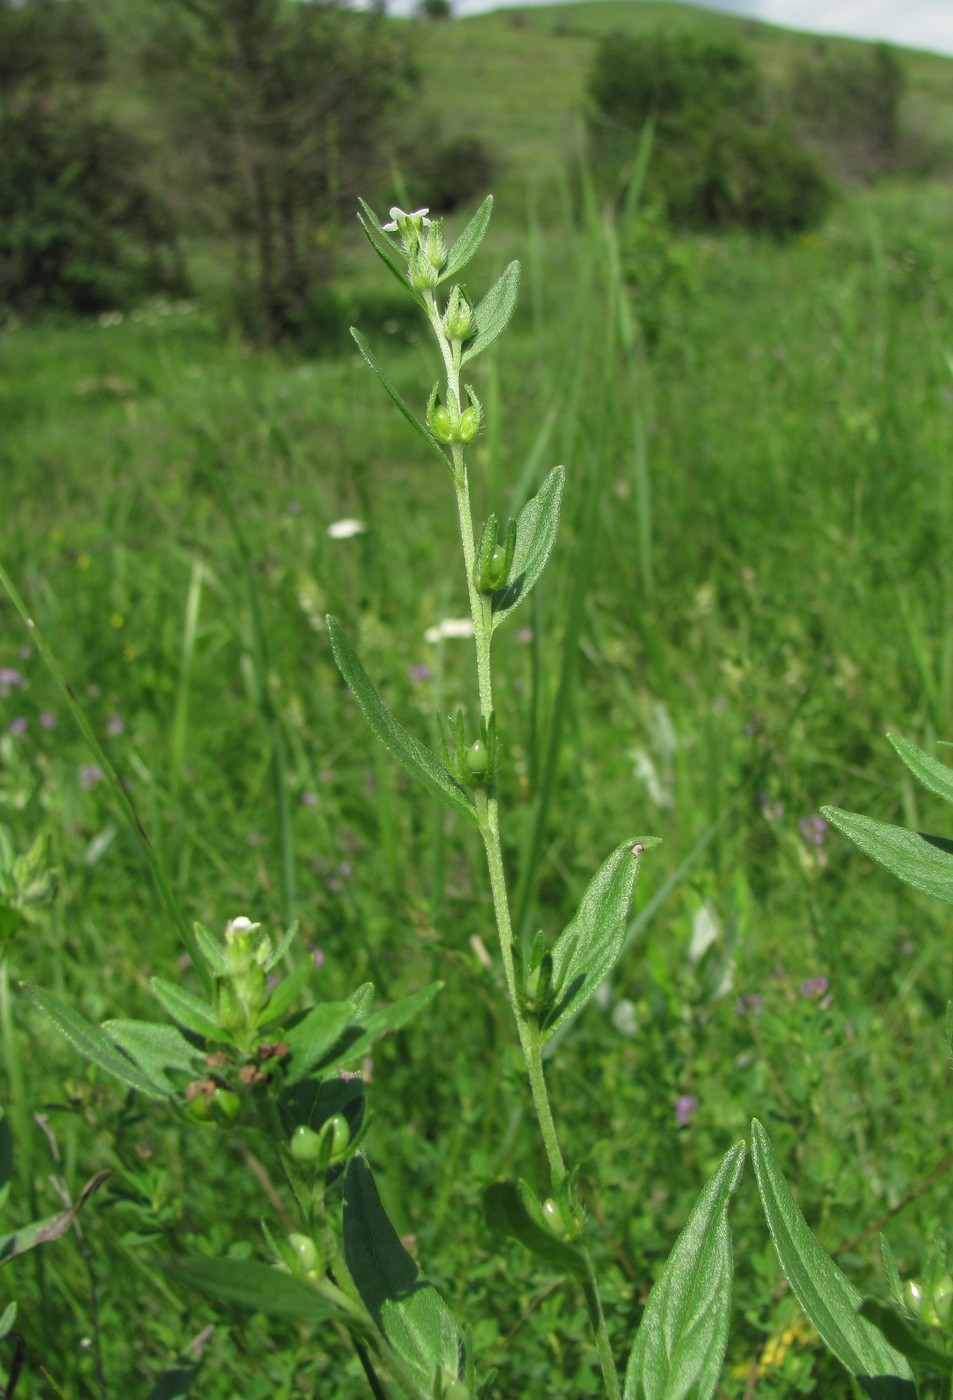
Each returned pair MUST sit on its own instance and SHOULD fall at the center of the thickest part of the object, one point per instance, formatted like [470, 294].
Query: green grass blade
[827, 1296]
[409, 752]
[411, 417]
[925, 862]
[680, 1345]
[119, 793]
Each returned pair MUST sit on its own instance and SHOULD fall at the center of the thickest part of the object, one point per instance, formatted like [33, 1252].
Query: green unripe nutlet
[340, 1133]
[554, 1216]
[199, 1109]
[305, 1253]
[305, 1145]
[441, 424]
[478, 760]
[457, 1390]
[913, 1297]
[469, 424]
[226, 1105]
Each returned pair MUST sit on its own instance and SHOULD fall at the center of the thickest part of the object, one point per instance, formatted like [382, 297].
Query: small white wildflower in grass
[449, 627]
[346, 529]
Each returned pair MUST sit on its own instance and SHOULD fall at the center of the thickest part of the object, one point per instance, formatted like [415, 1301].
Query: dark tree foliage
[79, 230]
[848, 101]
[280, 111]
[719, 158]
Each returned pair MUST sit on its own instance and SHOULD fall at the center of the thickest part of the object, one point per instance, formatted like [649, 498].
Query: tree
[79, 229]
[279, 110]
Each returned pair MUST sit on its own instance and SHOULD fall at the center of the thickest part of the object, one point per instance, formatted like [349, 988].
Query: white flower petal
[346, 529]
[450, 627]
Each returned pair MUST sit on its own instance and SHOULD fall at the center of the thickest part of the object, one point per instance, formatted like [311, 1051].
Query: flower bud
[423, 275]
[458, 317]
[434, 250]
[305, 1254]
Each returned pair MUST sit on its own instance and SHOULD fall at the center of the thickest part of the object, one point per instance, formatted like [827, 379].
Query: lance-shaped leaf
[680, 1345]
[408, 1310]
[936, 776]
[315, 1035]
[251, 1284]
[90, 1041]
[827, 1296]
[411, 417]
[389, 252]
[286, 992]
[925, 862]
[409, 752]
[381, 1023]
[154, 1048]
[508, 1207]
[42, 1231]
[587, 949]
[536, 527]
[191, 1012]
[464, 247]
[493, 312]
[900, 1335]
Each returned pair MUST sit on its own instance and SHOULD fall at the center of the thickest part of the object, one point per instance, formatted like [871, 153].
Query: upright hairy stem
[488, 811]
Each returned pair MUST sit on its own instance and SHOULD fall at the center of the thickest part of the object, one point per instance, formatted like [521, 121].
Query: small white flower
[243, 925]
[449, 627]
[346, 529]
[397, 216]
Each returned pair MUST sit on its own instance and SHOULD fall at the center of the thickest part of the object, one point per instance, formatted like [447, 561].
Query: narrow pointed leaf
[43, 1231]
[409, 752]
[536, 528]
[408, 1310]
[251, 1284]
[464, 247]
[936, 776]
[587, 949]
[506, 1208]
[284, 943]
[212, 950]
[411, 417]
[91, 1043]
[381, 1023]
[492, 314]
[925, 862]
[389, 252]
[899, 1334]
[155, 1049]
[190, 1011]
[315, 1035]
[287, 991]
[827, 1296]
[680, 1345]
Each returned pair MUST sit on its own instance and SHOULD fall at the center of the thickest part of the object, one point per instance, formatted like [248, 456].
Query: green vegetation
[753, 580]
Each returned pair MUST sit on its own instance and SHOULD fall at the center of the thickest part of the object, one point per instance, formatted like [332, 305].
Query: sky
[917, 24]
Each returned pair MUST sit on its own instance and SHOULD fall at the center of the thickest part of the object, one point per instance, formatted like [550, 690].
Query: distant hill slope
[517, 78]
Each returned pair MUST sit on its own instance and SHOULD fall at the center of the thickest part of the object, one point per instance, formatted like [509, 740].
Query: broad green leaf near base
[409, 1311]
[536, 527]
[587, 949]
[680, 1345]
[409, 752]
[925, 862]
[155, 1049]
[829, 1299]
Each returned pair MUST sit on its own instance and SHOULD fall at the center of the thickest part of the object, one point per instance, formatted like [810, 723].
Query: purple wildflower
[750, 1002]
[18, 725]
[813, 830]
[421, 672]
[685, 1106]
[317, 955]
[9, 680]
[89, 775]
[814, 987]
[47, 720]
[309, 799]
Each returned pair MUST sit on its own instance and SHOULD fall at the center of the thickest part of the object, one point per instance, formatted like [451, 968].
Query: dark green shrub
[848, 102]
[460, 170]
[716, 161]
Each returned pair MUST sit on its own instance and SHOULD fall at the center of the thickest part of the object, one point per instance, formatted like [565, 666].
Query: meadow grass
[752, 582]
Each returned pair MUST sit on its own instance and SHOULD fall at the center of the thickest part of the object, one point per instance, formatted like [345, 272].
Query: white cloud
[916, 24]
